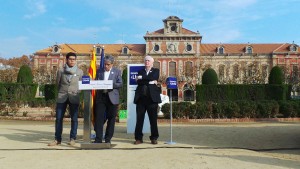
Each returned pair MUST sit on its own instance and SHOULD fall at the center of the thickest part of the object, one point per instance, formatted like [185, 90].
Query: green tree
[276, 75]
[210, 77]
[25, 75]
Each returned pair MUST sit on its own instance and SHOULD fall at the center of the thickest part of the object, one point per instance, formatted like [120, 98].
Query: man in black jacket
[147, 97]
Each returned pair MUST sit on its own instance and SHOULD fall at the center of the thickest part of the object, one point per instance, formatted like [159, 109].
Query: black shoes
[153, 141]
[138, 142]
[141, 141]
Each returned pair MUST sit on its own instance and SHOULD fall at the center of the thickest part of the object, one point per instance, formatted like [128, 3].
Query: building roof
[114, 49]
[4, 67]
[140, 49]
[240, 48]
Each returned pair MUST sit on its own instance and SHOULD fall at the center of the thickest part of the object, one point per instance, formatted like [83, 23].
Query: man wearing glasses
[107, 101]
[68, 94]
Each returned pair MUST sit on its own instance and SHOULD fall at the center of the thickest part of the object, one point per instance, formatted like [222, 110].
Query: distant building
[4, 67]
[179, 52]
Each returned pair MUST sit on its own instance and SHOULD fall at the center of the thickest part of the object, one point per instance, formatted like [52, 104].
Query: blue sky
[30, 25]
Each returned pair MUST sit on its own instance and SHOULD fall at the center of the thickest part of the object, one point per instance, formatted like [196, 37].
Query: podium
[87, 86]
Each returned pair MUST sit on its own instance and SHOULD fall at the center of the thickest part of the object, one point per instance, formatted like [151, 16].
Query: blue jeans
[60, 112]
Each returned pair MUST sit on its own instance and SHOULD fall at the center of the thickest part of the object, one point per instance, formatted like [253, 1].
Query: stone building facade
[179, 52]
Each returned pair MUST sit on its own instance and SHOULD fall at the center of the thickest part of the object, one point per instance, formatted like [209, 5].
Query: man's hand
[138, 77]
[153, 82]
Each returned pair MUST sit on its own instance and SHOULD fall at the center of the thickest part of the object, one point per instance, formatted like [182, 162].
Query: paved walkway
[232, 145]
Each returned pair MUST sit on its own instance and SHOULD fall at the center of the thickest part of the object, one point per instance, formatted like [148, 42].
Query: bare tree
[42, 76]
[9, 75]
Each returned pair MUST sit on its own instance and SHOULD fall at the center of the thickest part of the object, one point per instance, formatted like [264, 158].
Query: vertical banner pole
[87, 116]
[171, 119]
[171, 112]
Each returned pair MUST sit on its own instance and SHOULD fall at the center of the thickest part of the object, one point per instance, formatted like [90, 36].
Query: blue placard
[86, 79]
[133, 72]
[171, 83]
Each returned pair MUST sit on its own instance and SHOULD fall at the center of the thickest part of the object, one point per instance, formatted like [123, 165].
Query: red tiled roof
[140, 49]
[114, 49]
[240, 48]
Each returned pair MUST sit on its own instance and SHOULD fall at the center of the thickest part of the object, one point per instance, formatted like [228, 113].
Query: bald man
[147, 97]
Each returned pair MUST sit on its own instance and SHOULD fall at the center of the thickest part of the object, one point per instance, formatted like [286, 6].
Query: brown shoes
[138, 142]
[153, 141]
[54, 143]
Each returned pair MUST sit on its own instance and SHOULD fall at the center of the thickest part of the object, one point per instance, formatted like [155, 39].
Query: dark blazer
[153, 89]
[115, 75]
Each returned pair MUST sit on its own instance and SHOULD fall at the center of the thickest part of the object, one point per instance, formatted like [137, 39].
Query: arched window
[236, 72]
[250, 70]
[174, 94]
[188, 93]
[264, 71]
[221, 50]
[293, 48]
[295, 73]
[172, 68]
[189, 69]
[221, 72]
[249, 50]
[156, 65]
[98, 50]
[125, 50]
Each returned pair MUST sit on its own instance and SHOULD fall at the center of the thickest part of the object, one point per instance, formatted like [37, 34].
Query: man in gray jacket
[68, 94]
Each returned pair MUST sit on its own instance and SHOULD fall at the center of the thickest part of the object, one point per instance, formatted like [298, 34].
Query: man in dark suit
[147, 97]
[107, 101]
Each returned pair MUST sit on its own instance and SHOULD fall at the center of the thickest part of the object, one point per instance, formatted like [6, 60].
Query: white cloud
[36, 8]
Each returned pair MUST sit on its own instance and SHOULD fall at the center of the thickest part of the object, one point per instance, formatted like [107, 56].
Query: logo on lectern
[86, 79]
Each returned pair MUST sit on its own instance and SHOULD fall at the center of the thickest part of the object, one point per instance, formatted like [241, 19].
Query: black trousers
[104, 109]
[143, 105]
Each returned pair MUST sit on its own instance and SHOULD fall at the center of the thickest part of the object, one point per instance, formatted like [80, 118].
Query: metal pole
[171, 141]
[171, 112]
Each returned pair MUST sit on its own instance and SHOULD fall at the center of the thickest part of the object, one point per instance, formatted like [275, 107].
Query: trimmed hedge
[25, 75]
[17, 91]
[276, 75]
[50, 91]
[235, 92]
[210, 77]
[233, 109]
